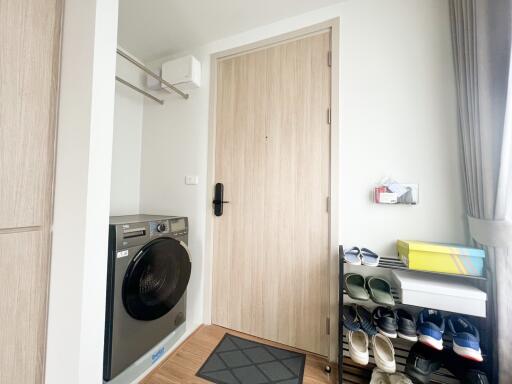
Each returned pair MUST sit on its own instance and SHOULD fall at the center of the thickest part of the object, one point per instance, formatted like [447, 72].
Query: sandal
[358, 347]
[369, 258]
[384, 353]
[380, 291]
[355, 286]
[350, 320]
[352, 256]
[366, 321]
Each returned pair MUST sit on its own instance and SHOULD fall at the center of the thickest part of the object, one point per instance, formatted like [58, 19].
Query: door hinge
[329, 58]
[328, 115]
[328, 325]
[328, 205]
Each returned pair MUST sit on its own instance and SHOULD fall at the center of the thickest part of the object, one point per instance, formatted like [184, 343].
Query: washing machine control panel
[174, 227]
[138, 231]
[179, 226]
[159, 228]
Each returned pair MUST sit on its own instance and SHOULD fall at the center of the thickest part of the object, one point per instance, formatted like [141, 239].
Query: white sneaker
[384, 353]
[358, 347]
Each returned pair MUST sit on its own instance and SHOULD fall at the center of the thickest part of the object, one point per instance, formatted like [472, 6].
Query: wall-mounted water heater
[184, 73]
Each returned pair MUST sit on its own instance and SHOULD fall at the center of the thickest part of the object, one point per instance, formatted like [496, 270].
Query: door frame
[334, 26]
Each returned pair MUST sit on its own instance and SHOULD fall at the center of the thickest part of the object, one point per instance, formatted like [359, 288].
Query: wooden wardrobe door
[29, 59]
[23, 283]
[30, 36]
[271, 246]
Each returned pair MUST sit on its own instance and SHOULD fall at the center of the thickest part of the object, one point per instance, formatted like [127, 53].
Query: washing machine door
[156, 279]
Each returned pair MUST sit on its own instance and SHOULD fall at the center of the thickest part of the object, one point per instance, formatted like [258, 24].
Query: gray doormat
[241, 361]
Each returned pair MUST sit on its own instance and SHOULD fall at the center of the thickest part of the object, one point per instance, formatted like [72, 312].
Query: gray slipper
[380, 291]
[354, 285]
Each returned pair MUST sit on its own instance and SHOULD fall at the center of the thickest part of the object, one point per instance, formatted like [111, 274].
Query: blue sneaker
[466, 339]
[431, 328]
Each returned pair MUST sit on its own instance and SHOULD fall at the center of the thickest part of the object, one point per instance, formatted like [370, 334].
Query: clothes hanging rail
[147, 94]
[151, 73]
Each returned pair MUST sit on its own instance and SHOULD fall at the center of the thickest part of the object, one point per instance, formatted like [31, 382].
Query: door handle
[218, 199]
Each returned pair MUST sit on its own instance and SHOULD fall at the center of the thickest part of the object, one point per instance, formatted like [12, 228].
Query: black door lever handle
[218, 200]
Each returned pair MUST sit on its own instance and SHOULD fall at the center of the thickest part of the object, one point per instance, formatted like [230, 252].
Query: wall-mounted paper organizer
[392, 192]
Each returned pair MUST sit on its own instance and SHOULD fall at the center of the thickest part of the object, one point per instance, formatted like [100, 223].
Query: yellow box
[443, 258]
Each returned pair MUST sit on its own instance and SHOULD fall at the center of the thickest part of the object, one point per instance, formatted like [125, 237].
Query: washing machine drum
[156, 279]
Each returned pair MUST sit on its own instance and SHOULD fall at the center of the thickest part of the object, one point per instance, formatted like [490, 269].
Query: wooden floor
[181, 366]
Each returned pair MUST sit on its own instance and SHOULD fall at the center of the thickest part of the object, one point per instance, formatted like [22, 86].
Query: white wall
[126, 149]
[173, 146]
[398, 118]
[76, 317]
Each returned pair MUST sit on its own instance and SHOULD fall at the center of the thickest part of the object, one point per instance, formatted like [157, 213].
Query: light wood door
[29, 69]
[23, 283]
[29, 57]
[270, 265]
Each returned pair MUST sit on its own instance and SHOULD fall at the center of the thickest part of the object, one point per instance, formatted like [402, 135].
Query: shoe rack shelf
[353, 373]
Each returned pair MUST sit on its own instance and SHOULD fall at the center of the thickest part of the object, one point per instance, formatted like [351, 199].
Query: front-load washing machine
[148, 271]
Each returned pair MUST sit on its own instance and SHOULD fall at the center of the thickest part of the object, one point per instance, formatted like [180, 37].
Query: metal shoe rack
[350, 372]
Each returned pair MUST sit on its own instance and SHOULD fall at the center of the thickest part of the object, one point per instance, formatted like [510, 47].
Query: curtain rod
[147, 94]
[151, 73]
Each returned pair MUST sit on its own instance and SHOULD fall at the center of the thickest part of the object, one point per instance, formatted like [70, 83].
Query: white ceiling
[150, 29]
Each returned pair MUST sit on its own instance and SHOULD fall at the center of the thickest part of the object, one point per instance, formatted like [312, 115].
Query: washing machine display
[156, 279]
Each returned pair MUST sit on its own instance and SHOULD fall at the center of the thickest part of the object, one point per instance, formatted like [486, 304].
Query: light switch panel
[191, 180]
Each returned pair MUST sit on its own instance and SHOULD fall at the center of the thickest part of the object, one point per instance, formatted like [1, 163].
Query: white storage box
[444, 293]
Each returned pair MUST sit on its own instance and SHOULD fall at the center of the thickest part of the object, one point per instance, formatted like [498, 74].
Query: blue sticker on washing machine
[158, 354]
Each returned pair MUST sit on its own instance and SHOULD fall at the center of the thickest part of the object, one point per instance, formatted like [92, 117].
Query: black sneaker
[406, 325]
[467, 371]
[385, 320]
[422, 362]
[365, 319]
[474, 376]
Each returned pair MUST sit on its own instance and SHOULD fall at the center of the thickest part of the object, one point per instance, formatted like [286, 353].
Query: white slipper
[369, 258]
[358, 347]
[384, 353]
[352, 256]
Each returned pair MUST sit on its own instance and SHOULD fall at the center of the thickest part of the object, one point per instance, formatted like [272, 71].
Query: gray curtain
[481, 34]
